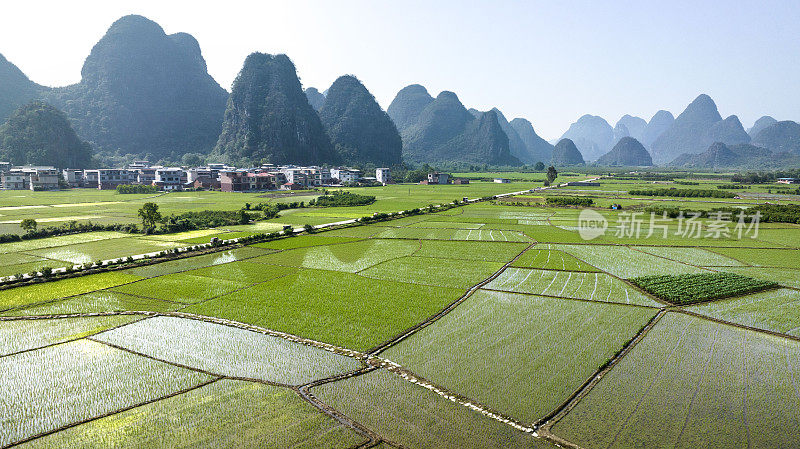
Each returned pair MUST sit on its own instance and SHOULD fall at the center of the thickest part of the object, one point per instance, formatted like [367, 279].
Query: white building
[345, 175]
[383, 175]
[108, 178]
[438, 178]
[170, 178]
[73, 176]
[31, 178]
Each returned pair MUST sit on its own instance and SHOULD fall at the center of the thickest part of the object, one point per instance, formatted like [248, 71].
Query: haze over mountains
[145, 93]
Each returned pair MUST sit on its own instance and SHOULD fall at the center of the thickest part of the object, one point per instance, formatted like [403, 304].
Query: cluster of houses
[212, 177]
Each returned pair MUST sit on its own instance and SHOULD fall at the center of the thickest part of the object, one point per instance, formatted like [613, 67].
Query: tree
[28, 225]
[552, 174]
[539, 166]
[242, 216]
[150, 215]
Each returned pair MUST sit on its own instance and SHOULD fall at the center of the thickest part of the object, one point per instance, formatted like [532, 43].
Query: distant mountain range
[145, 93]
[592, 135]
[445, 131]
[740, 156]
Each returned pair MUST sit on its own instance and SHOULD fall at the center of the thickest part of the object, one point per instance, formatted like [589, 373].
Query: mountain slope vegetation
[269, 119]
[143, 91]
[39, 134]
[15, 88]
[359, 129]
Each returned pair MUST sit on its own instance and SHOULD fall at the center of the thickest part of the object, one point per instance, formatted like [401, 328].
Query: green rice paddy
[502, 307]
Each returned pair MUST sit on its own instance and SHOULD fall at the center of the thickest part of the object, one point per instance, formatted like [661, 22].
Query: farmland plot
[446, 225]
[39, 293]
[783, 276]
[692, 256]
[694, 383]
[548, 233]
[494, 235]
[184, 236]
[787, 237]
[228, 351]
[471, 250]
[358, 232]
[338, 308]
[349, 257]
[18, 258]
[453, 234]
[99, 301]
[243, 271]
[27, 267]
[484, 219]
[412, 416]
[625, 262]
[570, 284]
[430, 271]
[521, 355]
[181, 287]
[775, 310]
[304, 241]
[61, 240]
[551, 260]
[190, 263]
[46, 389]
[24, 335]
[104, 249]
[226, 414]
[780, 258]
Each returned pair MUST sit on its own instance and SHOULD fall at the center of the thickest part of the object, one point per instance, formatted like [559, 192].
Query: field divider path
[667, 258]
[50, 301]
[305, 392]
[114, 412]
[414, 329]
[545, 424]
[729, 323]
[191, 368]
[625, 281]
[70, 339]
[419, 247]
[596, 301]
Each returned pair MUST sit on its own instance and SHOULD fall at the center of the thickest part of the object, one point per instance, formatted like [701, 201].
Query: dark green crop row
[692, 288]
[684, 193]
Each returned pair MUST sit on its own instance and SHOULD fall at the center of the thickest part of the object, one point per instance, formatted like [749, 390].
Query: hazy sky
[548, 61]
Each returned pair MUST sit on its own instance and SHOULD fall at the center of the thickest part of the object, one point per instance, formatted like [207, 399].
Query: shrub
[341, 199]
[136, 188]
[570, 201]
[684, 193]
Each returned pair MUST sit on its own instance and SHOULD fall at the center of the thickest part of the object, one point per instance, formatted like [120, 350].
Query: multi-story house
[108, 178]
[169, 178]
[383, 175]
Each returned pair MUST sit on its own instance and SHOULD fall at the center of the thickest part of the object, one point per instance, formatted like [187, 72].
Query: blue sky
[547, 61]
